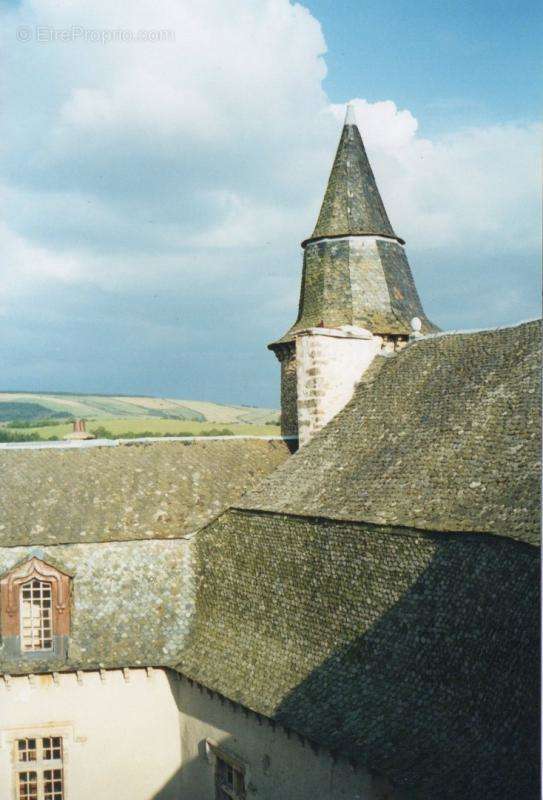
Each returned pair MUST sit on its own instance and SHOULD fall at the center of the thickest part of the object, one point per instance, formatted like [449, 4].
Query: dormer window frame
[36, 615]
[51, 622]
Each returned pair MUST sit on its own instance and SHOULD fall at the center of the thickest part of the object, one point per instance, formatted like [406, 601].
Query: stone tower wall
[329, 364]
[289, 394]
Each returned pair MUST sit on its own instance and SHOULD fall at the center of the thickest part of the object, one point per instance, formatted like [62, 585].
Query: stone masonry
[329, 363]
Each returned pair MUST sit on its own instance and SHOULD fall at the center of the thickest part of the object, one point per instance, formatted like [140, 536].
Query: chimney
[79, 431]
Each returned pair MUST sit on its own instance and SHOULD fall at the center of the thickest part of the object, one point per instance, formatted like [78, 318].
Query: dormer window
[35, 610]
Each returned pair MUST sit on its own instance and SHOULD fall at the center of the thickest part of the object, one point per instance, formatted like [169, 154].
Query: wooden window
[36, 615]
[34, 608]
[229, 779]
[39, 773]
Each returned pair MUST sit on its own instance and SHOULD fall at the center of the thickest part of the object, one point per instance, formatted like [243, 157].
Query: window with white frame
[36, 615]
[229, 779]
[38, 768]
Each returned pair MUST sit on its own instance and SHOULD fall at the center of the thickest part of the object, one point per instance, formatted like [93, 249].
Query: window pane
[28, 786]
[52, 784]
[230, 781]
[35, 784]
[52, 748]
[36, 615]
[26, 749]
[221, 770]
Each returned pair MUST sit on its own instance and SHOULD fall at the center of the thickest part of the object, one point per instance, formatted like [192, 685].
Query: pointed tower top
[352, 205]
[356, 272]
[350, 115]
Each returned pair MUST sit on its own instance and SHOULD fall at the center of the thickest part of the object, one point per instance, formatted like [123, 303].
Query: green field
[29, 415]
[35, 405]
[152, 427]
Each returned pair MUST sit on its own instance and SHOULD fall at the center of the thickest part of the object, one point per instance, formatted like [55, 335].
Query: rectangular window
[38, 768]
[36, 615]
[28, 786]
[229, 779]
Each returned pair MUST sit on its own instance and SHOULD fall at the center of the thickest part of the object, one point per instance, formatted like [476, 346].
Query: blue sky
[450, 63]
[156, 192]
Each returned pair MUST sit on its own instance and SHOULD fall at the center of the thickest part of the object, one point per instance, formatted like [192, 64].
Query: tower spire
[358, 296]
[352, 205]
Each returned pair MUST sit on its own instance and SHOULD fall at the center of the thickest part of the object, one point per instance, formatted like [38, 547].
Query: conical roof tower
[357, 297]
[355, 268]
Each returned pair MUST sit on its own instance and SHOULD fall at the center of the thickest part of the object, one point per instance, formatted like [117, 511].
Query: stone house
[200, 620]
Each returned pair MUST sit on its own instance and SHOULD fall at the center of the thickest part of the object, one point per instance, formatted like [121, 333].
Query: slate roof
[441, 436]
[348, 278]
[104, 515]
[158, 490]
[352, 204]
[131, 604]
[354, 597]
[358, 282]
[414, 653]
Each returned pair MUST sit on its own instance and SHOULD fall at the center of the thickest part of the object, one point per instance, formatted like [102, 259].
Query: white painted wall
[122, 738]
[330, 361]
[146, 738]
[277, 765]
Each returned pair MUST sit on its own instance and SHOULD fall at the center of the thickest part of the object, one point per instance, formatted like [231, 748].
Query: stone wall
[139, 734]
[289, 396]
[329, 364]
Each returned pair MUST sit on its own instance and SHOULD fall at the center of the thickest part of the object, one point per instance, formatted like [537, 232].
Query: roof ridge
[386, 528]
[90, 443]
[467, 331]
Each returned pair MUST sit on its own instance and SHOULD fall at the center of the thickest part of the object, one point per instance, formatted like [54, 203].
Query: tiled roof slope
[414, 653]
[442, 436]
[158, 490]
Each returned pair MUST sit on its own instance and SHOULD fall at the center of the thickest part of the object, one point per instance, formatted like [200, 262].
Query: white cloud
[476, 188]
[208, 133]
[383, 126]
[224, 136]
[23, 263]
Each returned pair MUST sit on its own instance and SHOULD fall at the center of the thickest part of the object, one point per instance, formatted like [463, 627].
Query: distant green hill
[34, 406]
